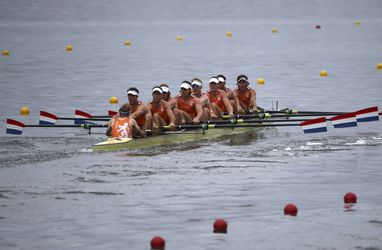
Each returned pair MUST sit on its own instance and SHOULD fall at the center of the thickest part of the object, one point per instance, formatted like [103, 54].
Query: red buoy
[350, 198]
[157, 243]
[220, 226]
[290, 209]
[318, 26]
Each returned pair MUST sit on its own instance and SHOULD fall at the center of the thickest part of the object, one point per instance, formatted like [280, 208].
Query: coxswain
[219, 100]
[245, 94]
[160, 110]
[189, 109]
[122, 126]
[196, 85]
[139, 111]
[230, 94]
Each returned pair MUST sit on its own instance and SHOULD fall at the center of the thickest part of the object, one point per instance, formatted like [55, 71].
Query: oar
[80, 118]
[295, 111]
[267, 115]
[17, 127]
[255, 120]
[213, 126]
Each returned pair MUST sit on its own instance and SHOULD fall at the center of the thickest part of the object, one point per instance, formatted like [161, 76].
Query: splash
[358, 142]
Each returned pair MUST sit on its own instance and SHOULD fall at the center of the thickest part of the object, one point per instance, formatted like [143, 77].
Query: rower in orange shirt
[230, 94]
[139, 110]
[245, 94]
[160, 110]
[196, 85]
[219, 100]
[166, 96]
[188, 108]
[122, 126]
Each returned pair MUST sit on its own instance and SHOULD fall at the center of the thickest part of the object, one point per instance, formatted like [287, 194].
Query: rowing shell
[168, 138]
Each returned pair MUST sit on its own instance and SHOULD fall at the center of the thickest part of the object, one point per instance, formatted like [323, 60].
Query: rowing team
[192, 105]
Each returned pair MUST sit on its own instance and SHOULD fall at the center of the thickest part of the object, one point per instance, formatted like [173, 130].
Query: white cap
[196, 82]
[221, 79]
[132, 92]
[185, 85]
[214, 80]
[157, 89]
[165, 89]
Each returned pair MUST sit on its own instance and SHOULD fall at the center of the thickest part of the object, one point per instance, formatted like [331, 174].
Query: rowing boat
[238, 124]
[170, 138]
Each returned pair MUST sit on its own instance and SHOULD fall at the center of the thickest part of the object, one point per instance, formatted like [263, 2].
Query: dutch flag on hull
[81, 114]
[14, 127]
[367, 115]
[344, 121]
[314, 126]
[47, 118]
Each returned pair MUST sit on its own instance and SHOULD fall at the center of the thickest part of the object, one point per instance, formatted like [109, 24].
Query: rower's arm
[253, 100]
[109, 127]
[135, 129]
[170, 114]
[199, 111]
[227, 105]
[142, 110]
[237, 102]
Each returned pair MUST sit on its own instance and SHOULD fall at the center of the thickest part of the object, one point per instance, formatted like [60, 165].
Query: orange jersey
[141, 119]
[121, 127]
[217, 99]
[245, 97]
[187, 106]
[160, 110]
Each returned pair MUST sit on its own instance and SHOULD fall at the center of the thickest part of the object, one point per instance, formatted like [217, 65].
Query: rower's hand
[196, 120]
[241, 110]
[171, 125]
[230, 115]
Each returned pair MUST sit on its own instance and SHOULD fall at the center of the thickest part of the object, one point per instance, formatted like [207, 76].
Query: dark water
[57, 194]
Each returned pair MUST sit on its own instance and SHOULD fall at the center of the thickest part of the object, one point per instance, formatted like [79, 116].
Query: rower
[166, 96]
[188, 108]
[196, 85]
[230, 94]
[122, 126]
[219, 100]
[160, 110]
[139, 110]
[245, 94]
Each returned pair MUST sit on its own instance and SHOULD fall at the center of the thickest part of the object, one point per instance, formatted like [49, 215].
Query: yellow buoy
[179, 38]
[274, 30]
[5, 52]
[113, 100]
[379, 66]
[323, 73]
[228, 34]
[260, 81]
[24, 111]
[69, 47]
[357, 22]
[127, 42]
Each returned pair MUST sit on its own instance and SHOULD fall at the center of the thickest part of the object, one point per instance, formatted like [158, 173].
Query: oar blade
[47, 118]
[14, 127]
[112, 113]
[317, 125]
[81, 114]
[344, 121]
[367, 114]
